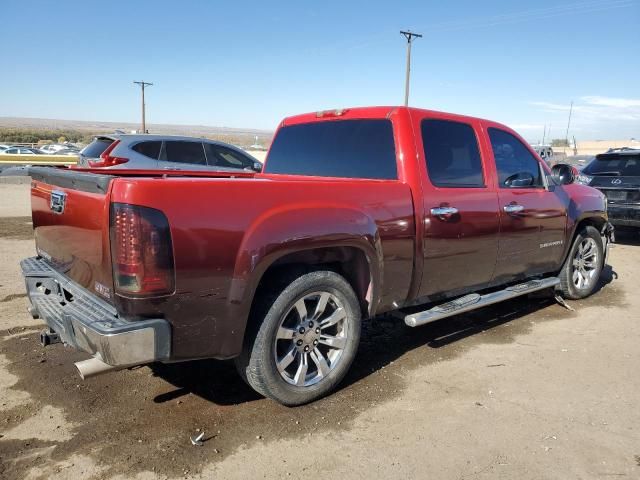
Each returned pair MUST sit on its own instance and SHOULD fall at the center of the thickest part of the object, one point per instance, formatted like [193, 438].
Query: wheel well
[596, 222]
[350, 262]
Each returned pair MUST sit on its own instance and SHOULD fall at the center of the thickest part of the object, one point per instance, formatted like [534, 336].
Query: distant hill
[239, 136]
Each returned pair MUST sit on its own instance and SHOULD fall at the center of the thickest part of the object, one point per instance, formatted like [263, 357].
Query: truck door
[532, 213]
[460, 208]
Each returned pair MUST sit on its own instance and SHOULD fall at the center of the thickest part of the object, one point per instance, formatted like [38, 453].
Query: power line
[409, 36]
[142, 86]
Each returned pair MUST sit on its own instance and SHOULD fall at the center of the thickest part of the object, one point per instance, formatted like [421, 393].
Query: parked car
[545, 152]
[68, 151]
[357, 212]
[54, 148]
[616, 173]
[579, 161]
[4, 147]
[143, 151]
[20, 151]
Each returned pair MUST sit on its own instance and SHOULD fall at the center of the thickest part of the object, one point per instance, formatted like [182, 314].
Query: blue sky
[248, 64]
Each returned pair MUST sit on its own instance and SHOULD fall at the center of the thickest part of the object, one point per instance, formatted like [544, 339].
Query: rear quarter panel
[226, 232]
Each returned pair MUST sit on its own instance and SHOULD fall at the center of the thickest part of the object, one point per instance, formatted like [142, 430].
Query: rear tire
[303, 339]
[581, 270]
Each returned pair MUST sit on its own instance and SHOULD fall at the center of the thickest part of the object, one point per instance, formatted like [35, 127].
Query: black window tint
[220, 156]
[148, 149]
[623, 165]
[452, 154]
[513, 159]
[184, 152]
[95, 148]
[343, 148]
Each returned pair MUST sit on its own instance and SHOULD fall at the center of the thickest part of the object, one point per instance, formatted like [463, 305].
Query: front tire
[302, 347]
[581, 270]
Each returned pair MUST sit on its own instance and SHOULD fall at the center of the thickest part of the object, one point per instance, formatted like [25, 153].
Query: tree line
[26, 135]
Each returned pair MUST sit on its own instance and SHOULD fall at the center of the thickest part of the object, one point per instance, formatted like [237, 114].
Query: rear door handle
[513, 208]
[444, 212]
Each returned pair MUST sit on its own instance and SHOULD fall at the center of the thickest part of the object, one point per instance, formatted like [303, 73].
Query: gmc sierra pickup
[356, 213]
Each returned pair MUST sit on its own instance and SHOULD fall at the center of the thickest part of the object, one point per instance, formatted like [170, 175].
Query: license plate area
[616, 196]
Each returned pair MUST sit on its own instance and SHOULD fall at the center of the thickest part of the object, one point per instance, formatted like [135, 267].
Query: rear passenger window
[517, 166]
[184, 152]
[452, 155]
[148, 149]
[336, 148]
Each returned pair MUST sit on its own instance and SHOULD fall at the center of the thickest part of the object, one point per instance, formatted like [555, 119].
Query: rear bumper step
[475, 300]
[77, 318]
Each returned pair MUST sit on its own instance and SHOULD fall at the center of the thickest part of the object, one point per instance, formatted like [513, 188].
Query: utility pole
[566, 136]
[409, 36]
[142, 85]
[544, 133]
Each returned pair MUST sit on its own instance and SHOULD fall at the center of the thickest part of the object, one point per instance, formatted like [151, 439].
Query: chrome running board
[475, 300]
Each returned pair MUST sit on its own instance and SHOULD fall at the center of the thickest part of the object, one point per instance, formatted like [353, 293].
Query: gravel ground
[526, 390]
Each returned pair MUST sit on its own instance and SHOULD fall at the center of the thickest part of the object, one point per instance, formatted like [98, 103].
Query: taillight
[141, 251]
[106, 159]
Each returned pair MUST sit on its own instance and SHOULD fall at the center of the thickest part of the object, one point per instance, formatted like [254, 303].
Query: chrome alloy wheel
[311, 339]
[585, 264]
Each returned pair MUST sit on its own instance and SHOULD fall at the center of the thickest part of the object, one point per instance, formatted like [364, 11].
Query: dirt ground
[526, 390]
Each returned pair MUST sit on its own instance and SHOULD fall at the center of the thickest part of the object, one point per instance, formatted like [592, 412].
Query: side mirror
[520, 179]
[255, 167]
[563, 174]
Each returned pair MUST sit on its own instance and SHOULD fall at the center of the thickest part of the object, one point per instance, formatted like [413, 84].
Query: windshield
[615, 165]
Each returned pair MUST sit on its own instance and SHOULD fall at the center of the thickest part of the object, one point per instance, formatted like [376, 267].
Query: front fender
[585, 203]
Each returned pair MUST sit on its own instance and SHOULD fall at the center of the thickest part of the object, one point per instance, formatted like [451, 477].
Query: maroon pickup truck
[357, 212]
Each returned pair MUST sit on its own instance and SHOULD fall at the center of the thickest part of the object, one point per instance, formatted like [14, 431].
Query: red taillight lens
[106, 160]
[141, 251]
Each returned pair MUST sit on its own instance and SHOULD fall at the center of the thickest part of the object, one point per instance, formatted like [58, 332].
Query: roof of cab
[378, 112]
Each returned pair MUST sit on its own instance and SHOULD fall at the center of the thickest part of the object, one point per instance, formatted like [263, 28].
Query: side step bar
[475, 300]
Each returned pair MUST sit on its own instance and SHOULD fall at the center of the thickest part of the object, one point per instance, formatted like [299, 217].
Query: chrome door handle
[513, 208]
[444, 211]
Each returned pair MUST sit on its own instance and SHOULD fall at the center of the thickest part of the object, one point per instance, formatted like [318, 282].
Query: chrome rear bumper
[87, 323]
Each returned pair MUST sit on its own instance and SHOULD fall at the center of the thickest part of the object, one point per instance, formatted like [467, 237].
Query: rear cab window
[452, 154]
[361, 148]
[97, 147]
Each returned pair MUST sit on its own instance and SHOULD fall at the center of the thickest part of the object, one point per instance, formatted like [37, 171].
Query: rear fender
[291, 229]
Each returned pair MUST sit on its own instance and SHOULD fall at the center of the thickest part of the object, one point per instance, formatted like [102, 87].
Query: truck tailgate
[71, 225]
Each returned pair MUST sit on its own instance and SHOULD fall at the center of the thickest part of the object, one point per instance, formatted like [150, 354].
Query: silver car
[164, 152]
[20, 151]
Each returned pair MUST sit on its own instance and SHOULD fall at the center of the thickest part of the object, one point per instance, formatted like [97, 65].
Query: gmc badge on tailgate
[57, 201]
